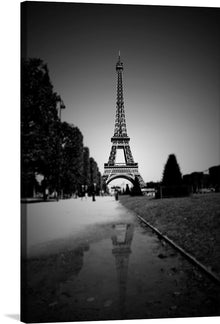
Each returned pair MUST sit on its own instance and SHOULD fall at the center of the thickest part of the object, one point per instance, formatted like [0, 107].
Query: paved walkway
[59, 220]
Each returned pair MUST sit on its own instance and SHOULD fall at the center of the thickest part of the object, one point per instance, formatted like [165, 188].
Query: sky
[171, 77]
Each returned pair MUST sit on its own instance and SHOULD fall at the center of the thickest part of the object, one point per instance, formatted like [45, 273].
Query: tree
[71, 170]
[99, 181]
[215, 177]
[95, 176]
[171, 174]
[39, 123]
[50, 148]
[127, 190]
[136, 190]
[86, 167]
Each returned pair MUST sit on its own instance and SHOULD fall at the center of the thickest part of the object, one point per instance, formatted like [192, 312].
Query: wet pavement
[103, 264]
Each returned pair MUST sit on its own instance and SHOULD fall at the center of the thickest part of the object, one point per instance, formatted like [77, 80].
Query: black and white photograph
[120, 161]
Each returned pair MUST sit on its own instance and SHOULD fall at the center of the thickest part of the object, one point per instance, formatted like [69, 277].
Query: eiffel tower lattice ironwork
[120, 140]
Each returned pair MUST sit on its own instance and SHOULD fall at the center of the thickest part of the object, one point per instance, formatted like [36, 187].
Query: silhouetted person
[56, 196]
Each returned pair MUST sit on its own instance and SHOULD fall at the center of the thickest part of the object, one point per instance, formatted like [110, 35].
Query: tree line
[53, 156]
[173, 184]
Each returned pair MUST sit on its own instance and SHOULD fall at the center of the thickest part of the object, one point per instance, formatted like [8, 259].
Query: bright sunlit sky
[171, 77]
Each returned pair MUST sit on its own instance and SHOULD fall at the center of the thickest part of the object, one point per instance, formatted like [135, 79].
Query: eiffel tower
[120, 140]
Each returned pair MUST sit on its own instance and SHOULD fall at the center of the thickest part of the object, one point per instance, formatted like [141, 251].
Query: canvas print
[120, 169]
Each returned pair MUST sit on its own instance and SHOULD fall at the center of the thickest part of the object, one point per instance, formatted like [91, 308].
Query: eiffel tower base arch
[127, 172]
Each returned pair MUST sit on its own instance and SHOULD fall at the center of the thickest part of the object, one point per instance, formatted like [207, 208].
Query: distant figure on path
[46, 194]
[116, 194]
[56, 195]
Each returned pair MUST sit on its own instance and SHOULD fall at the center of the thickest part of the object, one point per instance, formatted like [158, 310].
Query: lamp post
[60, 106]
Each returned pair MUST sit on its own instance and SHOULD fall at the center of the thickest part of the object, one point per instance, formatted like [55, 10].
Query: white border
[10, 155]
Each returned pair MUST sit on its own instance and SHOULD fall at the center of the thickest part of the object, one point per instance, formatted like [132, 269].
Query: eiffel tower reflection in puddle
[121, 240]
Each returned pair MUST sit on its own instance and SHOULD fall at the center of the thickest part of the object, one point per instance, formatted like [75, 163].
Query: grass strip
[191, 222]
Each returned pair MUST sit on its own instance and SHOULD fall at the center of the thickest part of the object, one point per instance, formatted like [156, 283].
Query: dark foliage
[136, 189]
[199, 180]
[95, 177]
[39, 124]
[172, 182]
[195, 180]
[86, 167]
[127, 190]
[214, 173]
[50, 148]
[71, 164]
[172, 175]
